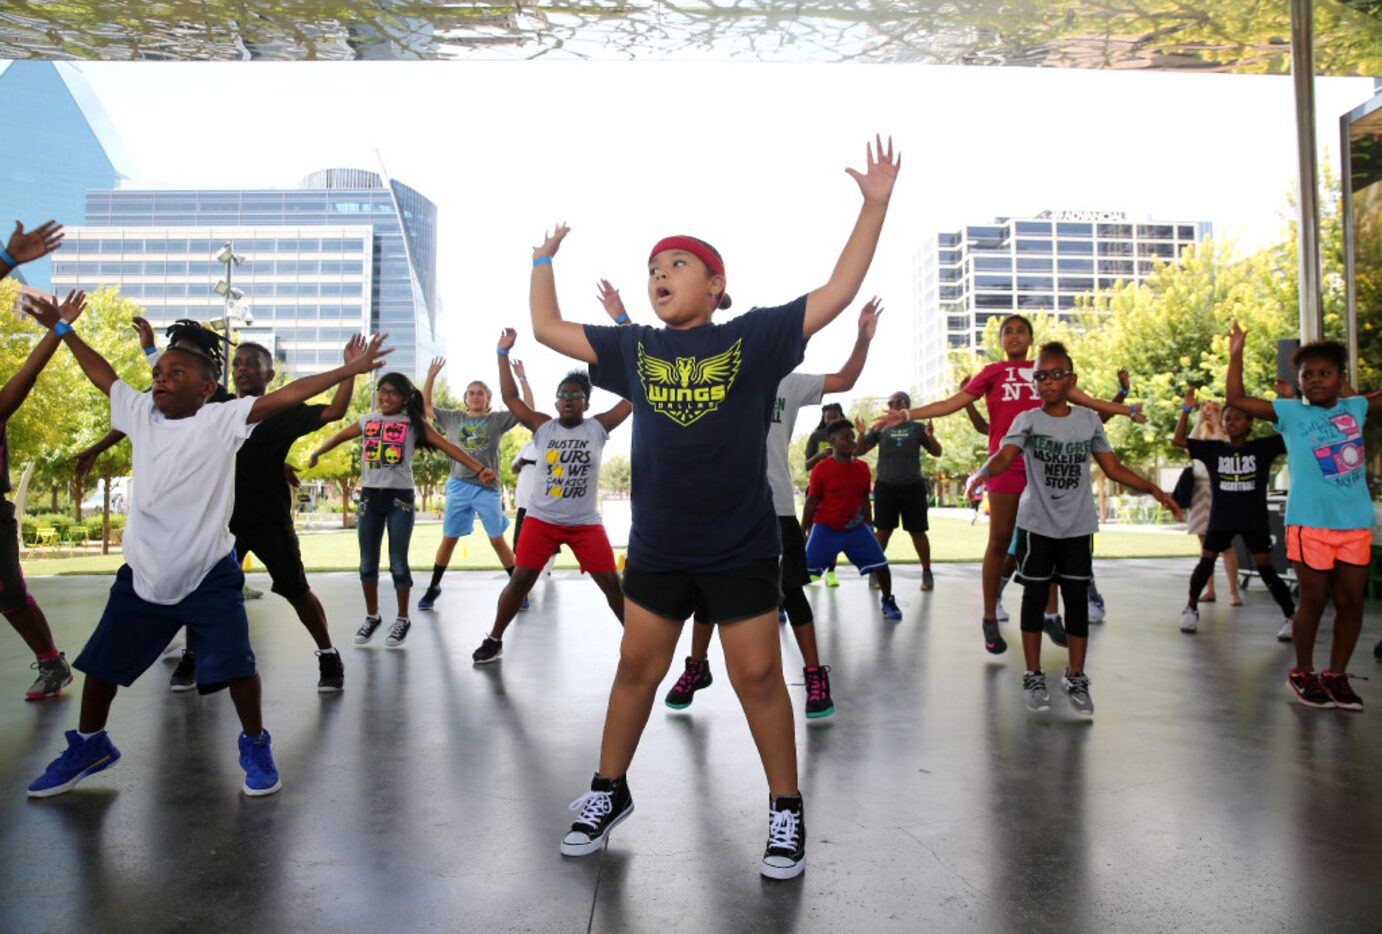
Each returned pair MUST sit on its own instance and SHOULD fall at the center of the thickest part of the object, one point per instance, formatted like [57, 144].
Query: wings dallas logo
[687, 388]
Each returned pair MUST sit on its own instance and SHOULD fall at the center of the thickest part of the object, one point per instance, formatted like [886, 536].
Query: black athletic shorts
[1259, 541]
[277, 549]
[1040, 558]
[14, 595]
[793, 553]
[892, 502]
[721, 597]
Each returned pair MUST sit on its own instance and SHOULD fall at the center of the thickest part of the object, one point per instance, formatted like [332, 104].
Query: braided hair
[412, 406]
[202, 338]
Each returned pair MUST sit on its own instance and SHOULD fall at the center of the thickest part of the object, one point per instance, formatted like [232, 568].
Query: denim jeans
[381, 508]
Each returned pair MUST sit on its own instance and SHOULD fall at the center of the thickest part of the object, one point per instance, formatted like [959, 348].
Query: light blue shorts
[465, 501]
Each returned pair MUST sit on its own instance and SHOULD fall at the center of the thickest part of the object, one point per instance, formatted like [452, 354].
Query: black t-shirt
[702, 402]
[1238, 481]
[262, 495]
[5, 459]
[899, 453]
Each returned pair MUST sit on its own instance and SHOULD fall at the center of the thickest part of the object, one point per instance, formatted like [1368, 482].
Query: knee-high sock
[1198, 578]
[1280, 592]
[437, 571]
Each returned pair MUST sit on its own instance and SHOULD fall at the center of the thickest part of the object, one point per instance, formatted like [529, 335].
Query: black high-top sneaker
[601, 808]
[785, 857]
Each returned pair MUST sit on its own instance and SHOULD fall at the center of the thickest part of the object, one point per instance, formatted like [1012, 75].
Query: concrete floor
[431, 795]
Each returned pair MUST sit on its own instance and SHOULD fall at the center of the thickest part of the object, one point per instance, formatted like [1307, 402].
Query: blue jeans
[381, 508]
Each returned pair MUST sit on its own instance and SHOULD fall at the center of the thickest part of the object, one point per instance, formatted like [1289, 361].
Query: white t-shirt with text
[568, 472]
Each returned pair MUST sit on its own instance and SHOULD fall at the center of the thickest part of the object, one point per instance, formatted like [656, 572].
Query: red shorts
[1321, 549]
[540, 540]
[1012, 480]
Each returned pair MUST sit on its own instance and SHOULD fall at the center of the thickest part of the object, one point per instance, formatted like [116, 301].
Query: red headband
[693, 246]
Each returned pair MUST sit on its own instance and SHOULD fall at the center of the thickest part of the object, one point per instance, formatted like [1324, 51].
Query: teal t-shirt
[1324, 452]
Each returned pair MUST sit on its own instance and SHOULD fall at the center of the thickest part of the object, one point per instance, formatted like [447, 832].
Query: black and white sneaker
[332, 672]
[398, 632]
[1034, 688]
[491, 650]
[785, 857]
[367, 629]
[1055, 629]
[993, 639]
[185, 675]
[601, 809]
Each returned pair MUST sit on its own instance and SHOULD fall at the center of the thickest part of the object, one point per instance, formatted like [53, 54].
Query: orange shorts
[1321, 549]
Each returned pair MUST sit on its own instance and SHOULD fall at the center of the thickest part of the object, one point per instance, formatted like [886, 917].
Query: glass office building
[295, 276]
[1041, 264]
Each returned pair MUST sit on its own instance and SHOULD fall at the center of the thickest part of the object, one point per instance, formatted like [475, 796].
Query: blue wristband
[542, 261]
[1132, 409]
[150, 351]
[1187, 408]
[503, 351]
[622, 319]
[62, 328]
[8, 259]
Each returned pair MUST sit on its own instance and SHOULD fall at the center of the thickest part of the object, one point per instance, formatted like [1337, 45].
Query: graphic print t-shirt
[1008, 391]
[1058, 502]
[1238, 480]
[843, 488]
[386, 452]
[899, 452]
[568, 472]
[479, 437]
[702, 403]
[1324, 452]
[795, 390]
[262, 494]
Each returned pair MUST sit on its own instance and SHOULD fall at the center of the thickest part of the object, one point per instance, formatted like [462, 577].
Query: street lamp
[227, 290]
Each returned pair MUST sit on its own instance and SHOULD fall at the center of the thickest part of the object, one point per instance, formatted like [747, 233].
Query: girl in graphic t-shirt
[392, 433]
[1007, 389]
[704, 540]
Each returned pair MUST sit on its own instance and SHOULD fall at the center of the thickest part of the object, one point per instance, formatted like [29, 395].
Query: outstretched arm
[1181, 438]
[894, 417]
[844, 380]
[615, 416]
[95, 366]
[340, 403]
[1233, 383]
[26, 246]
[980, 424]
[1132, 410]
[608, 297]
[433, 369]
[522, 409]
[348, 433]
[876, 182]
[525, 388]
[565, 337]
[300, 390]
[995, 465]
[18, 386]
[929, 441]
[1124, 384]
[1116, 472]
[438, 441]
[87, 459]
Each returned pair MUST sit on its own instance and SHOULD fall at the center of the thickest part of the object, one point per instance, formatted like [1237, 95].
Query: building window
[1115, 248]
[993, 301]
[1157, 249]
[993, 282]
[1186, 231]
[1116, 230]
[1033, 283]
[1076, 265]
[1033, 228]
[1076, 285]
[1074, 247]
[992, 264]
[1033, 264]
[1156, 231]
[1034, 246]
[1075, 230]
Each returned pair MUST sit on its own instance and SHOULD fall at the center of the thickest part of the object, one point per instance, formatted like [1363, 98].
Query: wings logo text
[686, 388]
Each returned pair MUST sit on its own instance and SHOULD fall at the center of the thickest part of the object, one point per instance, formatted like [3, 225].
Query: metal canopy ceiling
[1244, 36]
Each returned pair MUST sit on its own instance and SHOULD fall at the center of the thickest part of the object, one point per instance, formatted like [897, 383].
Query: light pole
[226, 289]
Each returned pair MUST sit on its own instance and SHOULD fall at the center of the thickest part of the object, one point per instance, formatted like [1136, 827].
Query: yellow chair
[46, 536]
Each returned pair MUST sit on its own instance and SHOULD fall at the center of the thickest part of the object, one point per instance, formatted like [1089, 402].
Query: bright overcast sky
[747, 156]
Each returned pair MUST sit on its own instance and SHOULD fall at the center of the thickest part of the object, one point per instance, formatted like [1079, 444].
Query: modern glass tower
[60, 143]
[288, 269]
[1016, 265]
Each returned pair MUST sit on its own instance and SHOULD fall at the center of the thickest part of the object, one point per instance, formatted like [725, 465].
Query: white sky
[747, 156]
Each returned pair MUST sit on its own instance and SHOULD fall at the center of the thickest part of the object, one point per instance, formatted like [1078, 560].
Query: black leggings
[1076, 596]
[1280, 592]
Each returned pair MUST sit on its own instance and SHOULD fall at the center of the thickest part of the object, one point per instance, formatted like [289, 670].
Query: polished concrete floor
[431, 795]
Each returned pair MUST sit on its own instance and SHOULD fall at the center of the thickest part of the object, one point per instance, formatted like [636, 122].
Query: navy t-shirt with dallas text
[702, 402]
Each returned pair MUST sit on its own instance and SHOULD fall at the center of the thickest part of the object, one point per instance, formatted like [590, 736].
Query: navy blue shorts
[859, 545]
[133, 632]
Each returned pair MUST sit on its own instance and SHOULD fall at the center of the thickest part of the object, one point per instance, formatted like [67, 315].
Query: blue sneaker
[257, 759]
[890, 610]
[83, 757]
[781, 615]
[429, 598]
[524, 605]
[1096, 607]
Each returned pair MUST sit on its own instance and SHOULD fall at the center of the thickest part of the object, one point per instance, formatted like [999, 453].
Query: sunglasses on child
[570, 394]
[896, 404]
[1042, 375]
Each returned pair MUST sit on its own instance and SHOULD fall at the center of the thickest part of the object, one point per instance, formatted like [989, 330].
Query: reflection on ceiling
[1245, 36]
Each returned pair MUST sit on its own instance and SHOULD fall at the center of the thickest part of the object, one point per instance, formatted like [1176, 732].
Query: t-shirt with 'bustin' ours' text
[567, 491]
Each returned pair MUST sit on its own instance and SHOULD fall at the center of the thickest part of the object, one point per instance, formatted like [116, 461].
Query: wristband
[1122, 391]
[982, 471]
[503, 351]
[1187, 409]
[523, 379]
[7, 259]
[62, 328]
[542, 261]
[150, 351]
[622, 319]
[1132, 409]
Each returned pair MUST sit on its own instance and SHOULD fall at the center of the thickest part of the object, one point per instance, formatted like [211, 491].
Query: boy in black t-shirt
[1239, 470]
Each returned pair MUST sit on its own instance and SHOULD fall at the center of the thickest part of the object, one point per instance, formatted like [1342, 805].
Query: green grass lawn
[952, 539]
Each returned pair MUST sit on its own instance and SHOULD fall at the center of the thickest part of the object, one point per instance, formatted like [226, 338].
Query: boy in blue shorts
[181, 569]
[838, 514]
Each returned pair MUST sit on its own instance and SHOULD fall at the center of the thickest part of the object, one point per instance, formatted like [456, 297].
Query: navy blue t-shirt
[702, 403]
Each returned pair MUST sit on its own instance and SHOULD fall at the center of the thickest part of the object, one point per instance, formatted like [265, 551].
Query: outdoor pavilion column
[1308, 221]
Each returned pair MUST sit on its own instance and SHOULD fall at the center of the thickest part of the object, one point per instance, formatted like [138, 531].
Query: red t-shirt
[1008, 390]
[843, 489]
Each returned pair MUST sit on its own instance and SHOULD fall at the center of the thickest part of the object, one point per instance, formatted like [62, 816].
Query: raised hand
[85, 461]
[1284, 390]
[859, 427]
[436, 366]
[868, 318]
[373, 356]
[354, 349]
[144, 331]
[891, 418]
[1123, 382]
[25, 246]
[518, 370]
[609, 298]
[312, 460]
[877, 180]
[930, 430]
[552, 241]
[1237, 338]
[1139, 413]
[1189, 401]
[507, 337]
[48, 311]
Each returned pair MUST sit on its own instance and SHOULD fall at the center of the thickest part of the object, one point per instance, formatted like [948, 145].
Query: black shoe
[332, 671]
[993, 639]
[927, 581]
[429, 598]
[601, 808]
[818, 701]
[785, 857]
[491, 650]
[1055, 629]
[185, 675]
[1377, 652]
[695, 677]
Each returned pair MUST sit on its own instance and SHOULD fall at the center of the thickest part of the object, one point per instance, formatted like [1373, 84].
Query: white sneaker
[1287, 630]
[1096, 608]
[1001, 614]
[1189, 619]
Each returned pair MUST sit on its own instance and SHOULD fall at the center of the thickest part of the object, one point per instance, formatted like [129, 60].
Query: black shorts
[14, 594]
[1259, 541]
[793, 553]
[1040, 558]
[892, 502]
[277, 549]
[719, 597]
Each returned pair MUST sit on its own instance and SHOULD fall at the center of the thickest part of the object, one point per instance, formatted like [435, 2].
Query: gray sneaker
[1034, 684]
[398, 632]
[927, 581]
[53, 675]
[1189, 619]
[1076, 687]
[1287, 630]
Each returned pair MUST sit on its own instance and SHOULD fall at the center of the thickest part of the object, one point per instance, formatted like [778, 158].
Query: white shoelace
[783, 830]
[593, 806]
[400, 626]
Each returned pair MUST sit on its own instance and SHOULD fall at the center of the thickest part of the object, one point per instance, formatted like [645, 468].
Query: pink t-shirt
[1008, 390]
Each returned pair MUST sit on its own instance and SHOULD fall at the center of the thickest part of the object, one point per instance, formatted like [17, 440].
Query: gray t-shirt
[478, 436]
[1058, 501]
[387, 456]
[568, 468]
[795, 390]
[899, 453]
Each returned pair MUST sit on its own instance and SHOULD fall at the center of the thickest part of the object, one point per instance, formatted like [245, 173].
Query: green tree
[615, 473]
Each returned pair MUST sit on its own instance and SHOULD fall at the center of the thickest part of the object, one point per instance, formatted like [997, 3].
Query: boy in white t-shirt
[564, 505]
[180, 567]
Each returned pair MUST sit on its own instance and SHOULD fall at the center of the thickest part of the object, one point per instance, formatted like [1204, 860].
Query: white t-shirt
[795, 390]
[184, 490]
[568, 472]
[527, 477]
